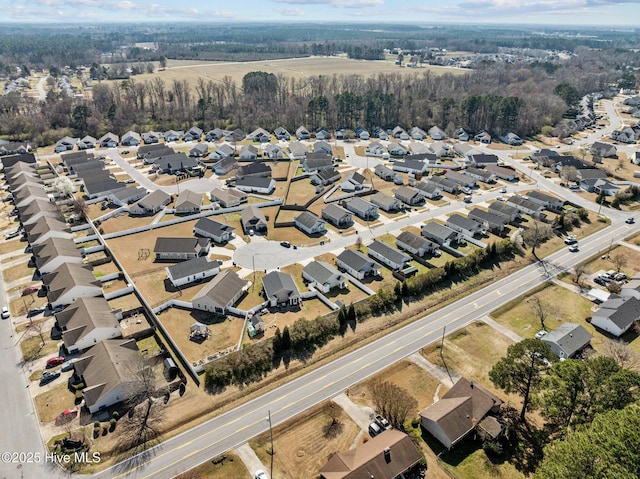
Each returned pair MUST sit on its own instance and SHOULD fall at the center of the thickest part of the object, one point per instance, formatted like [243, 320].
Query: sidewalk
[250, 459]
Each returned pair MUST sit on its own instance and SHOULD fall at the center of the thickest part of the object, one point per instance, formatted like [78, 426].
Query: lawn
[631, 256]
[11, 246]
[31, 349]
[229, 465]
[105, 269]
[295, 270]
[52, 402]
[125, 222]
[302, 445]
[253, 296]
[300, 192]
[18, 271]
[224, 332]
[125, 303]
[23, 304]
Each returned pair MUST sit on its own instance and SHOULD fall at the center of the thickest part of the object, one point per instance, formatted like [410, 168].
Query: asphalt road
[239, 425]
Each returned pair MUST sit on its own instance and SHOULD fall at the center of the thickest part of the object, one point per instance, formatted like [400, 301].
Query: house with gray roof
[69, 282]
[310, 223]
[567, 340]
[416, 148]
[86, 322]
[298, 150]
[392, 257]
[254, 169]
[501, 172]
[171, 164]
[357, 264]
[527, 207]
[408, 195]
[214, 135]
[317, 162]
[512, 139]
[173, 135]
[275, 152]
[603, 150]
[188, 202]
[87, 142]
[150, 137]
[200, 150]
[221, 293]
[282, 134]
[385, 202]
[322, 147]
[150, 204]
[214, 230]
[109, 140]
[597, 185]
[617, 316]
[228, 198]
[396, 149]
[437, 133]
[489, 220]
[410, 166]
[482, 137]
[302, 133]
[362, 208]
[223, 151]
[180, 249]
[417, 133]
[481, 175]
[384, 172]
[55, 252]
[354, 181]
[225, 165]
[429, 189]
[253, 220]
[194, 134]
[400, 133]
[102, 185]
[280, 289]
[375, 148]
[484, 159]
[256, 184]
[510, 212]
[415, 244]
[550, 202]
[126, 196]
[131, 138]
[444, 184]
[259, 135]
[325, 177]
[46, 227]
[466, 226]
[192, 270]
[461, 179]
[248, 153]
[440, 234]
[337, 216]
[323, 277]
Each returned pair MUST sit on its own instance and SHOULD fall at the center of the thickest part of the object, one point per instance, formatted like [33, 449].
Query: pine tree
[286, 339]
[277, 342]
[351, 315]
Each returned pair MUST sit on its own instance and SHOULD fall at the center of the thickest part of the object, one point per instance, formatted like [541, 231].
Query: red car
[29, 290]
[67, 415]
[55, 361]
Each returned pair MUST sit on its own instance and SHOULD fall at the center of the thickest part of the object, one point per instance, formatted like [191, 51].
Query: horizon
[547, 13]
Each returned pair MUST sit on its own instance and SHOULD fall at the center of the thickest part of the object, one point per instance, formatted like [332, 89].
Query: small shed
[198, 332]
[256, 325]
[170, 368]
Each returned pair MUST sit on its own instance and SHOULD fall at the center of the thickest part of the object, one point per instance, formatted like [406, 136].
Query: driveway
[250, 459]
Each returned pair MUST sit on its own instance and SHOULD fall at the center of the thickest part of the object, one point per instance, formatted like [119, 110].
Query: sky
[542, 12]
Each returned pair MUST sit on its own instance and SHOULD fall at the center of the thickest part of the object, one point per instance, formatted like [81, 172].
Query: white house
[392, 257]
[323, 276]
[218, 232]
[357, 264]
[617, 316]
[70, 282]
[280, 289]
[196, 269]
[221, 293]
[310, 223]
[86, 322]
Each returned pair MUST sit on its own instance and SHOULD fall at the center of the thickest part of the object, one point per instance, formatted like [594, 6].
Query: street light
[272, 451]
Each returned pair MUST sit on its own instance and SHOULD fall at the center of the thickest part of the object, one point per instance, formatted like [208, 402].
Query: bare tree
[359, 242]
[539, 309]
[535, 235]
[614, 287]
[569, 173]
[621, 353]
[393, 402]
[578, 273]
[619, 261]
[333, 427]
[80, 206]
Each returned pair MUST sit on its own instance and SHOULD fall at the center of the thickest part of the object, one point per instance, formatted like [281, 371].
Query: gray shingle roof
[223, 288]
[280, 285]
[320, 271]
[389, 252]
[570, 337]
[212, 227]
[192, 267]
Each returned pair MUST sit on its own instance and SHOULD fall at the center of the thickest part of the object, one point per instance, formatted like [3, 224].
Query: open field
[222, 467]
[18, 271]
[11, 246]
[295, 67]
[302, 446]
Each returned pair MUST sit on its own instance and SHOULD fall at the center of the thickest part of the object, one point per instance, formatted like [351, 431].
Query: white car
[573, 248]
[503, 190]
[5, 313]
[541, 334]
[261, 475]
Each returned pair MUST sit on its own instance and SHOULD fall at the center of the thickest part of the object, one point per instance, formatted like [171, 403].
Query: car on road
[129, 181]
[54, 361]
[286, 244]
[573, 248]
[630, 220]
[466, 190]
[125, 152]
[48, 376]
[540, 334]
[501, 198]
[574, 187]
[5, 313]
[13, 234]
[67, 415]
[260, 474]
[503, 190]
[570, 240]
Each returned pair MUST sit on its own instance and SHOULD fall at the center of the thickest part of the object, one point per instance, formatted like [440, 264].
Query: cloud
[359, 3]
[305, 2]
[290, 12]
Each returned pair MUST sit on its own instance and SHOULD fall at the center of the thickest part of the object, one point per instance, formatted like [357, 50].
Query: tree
[578, 272]
[521, 371]
[359, 242]
[64, 186]
[621, 353]
[569, 173]
[535, 235]
[539, 309]
[568, 93]
[79, 206]
[608, 449]
[80, 115]
[286, 339]
[619, 261]
[393, 402]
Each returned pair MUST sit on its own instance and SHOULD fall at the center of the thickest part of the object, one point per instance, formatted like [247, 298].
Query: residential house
[617, 316]
[436, 133]
[464, 408]
[481, 175]
[223, 151]
[429, 189]
[87, 143]
[228, 198]
[512, 139]
[173, 135]
[416, 148]
[225, 165]
[150, 137]
[322, 147]
[392, 257]
[256, 184]
[466, 226]
[501, 172]
[385, 202]
[126, 196]
[282, 134]
[55, 252]
[214, 135]
[302, 133]
[440, 234]
[148, 153]
[400, 133]
[188, 202]
[221, 293]
[192, 270]
[131, 138]
[235, 135]
[46, 227]
[248, 153]
[362, 208]
[253, 220]
[65, 144]
[180, 248]
[444, 184]
[599, 185]
[29, 193]
[461, 179]
[362, 134]
[410, 166]
[510, 212]
[280, 289]
[254, 169]
[527, 207]
[375, 148]
[489, 219]
[409, 196]
[322, 134]
[323, 277]
[69, 282]
[357, 264]
[482, 137]
[310, 223]
[567, 340]
[36, 209]
[461, 135]
[603, 150]
[441, 149]
[591, 174]
[337, 216]
[325, 177]
[109, 140]
[354, 181]
[396, 149]
[275, 152]
[193, 134]
[465, 151]
[550, 202]
[199, 150]
[86, 322]
[150, 204]
[389, 455]
[298, 150]
[101, 185]
[259, 135]
[214, 230]
[15, 148]
[384, 172]
[172, 164]
[417, 134]
[105, 370]
[415, 244]
[317, 162]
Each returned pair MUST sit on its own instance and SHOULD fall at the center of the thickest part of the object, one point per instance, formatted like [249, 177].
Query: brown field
[296, 67]
[11, 246]
[301, 446]
[18, 271]
[51, 403]
[221, 467]
[631, 256]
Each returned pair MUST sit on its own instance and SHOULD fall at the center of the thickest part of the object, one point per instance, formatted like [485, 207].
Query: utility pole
[272, 451]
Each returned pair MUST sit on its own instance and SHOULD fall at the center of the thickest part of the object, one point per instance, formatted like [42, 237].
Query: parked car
[13, 234]
[503, 190]
[540, 334]
[5, 313]
[35, 311]
[620, 277]
[382, 422]
[286, 244]
[48, 376]
[54, 361]
[260, 474]
[630, 220]
[374, 429]
[67, 365]
[129, 181]
[574, 187]
[67, 415]
[600, 281]
[29, 290]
